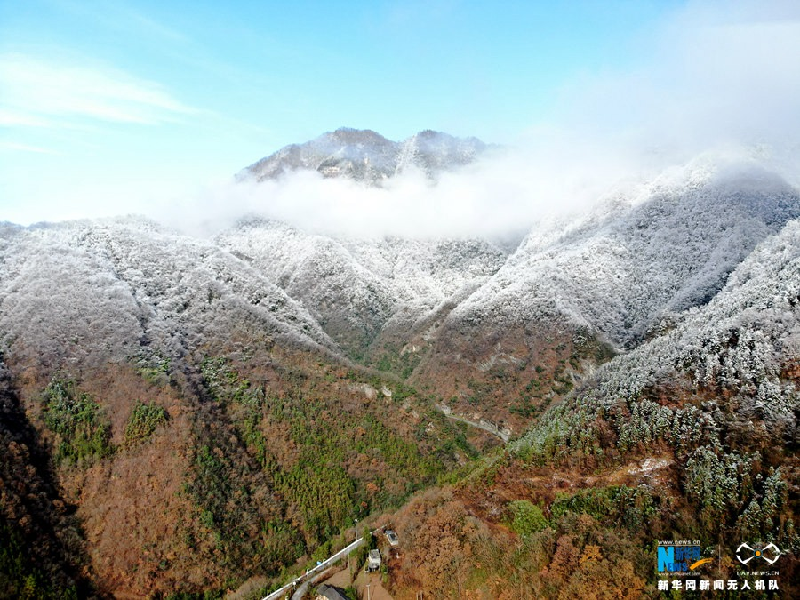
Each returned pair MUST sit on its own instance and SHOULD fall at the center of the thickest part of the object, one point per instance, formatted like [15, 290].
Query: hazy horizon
[142, 119]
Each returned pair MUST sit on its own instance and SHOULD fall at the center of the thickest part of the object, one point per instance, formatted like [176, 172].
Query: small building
[392, 537]
[326, 592]
[374, 560]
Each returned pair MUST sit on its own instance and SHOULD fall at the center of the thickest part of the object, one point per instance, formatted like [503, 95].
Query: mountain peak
[365, 155]
[352, 135]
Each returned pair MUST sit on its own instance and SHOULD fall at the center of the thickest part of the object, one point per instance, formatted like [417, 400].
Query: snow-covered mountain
[367, 156]
[730, 370]
[618, 276]
[745, 340]
[666, 317]
[102, 290]
[639, 259]
[358, 288]
[450, 311]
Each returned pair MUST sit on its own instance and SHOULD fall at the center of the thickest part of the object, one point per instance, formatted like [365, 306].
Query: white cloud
[713, 75]
[719, 73]
[500, 195]
[36, 91]
[722, 81]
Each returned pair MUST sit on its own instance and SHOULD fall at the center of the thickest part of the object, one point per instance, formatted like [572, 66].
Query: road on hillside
[483, 424]
[303, 580]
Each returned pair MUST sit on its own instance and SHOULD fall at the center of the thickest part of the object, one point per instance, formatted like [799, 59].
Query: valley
[188, 417]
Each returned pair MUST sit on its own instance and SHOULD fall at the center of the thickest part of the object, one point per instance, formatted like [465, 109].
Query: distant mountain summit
[364, 155]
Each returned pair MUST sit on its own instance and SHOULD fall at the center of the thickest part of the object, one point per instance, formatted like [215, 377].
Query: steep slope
[364, 293]
[348, 301]
[742, 350]
[631, 267]
[691, 436]
[41, 552]
[101, 291]
[735, 358]
[434, 152]
[367, 156]
[719, 397]
[200, 426]
[626, 267]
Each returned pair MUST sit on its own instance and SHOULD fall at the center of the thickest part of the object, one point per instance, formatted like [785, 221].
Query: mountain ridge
[219, 410]
[367, 156]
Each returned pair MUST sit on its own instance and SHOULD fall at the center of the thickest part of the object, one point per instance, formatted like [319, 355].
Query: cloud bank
[716, 78]
[498, 196]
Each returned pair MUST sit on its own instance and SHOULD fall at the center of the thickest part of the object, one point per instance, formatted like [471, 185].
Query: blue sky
[110, 106]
